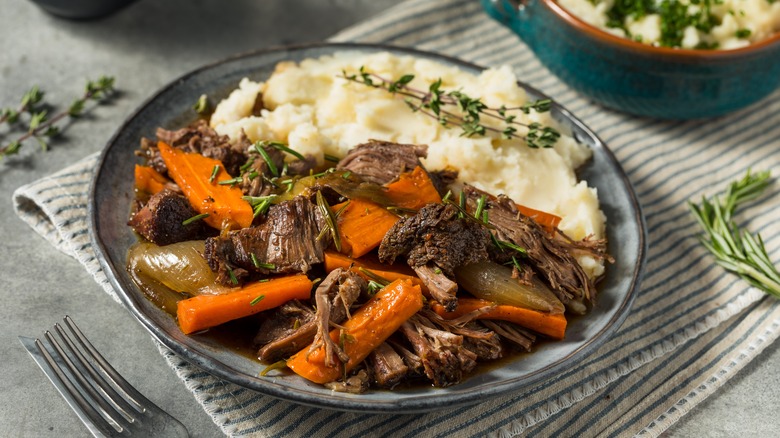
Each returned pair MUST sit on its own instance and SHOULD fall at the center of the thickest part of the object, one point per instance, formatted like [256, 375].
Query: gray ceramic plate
[112, 192]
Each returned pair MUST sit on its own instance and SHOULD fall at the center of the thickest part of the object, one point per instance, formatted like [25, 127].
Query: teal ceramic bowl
[637, 78]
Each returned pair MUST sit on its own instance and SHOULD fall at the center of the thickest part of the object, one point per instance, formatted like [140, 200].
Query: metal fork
[102, 399]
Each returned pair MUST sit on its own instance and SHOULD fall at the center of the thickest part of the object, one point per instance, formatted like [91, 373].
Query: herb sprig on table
[457, 108]
[37, 122]
[736, 249]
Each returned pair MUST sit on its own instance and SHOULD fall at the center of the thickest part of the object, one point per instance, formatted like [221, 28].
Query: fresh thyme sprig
[40, 126]
[457, 108]
[735, 249]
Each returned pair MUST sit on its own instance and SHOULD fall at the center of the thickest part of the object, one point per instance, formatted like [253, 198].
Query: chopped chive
[447, 196]
[202, 105]
[480, 206]
[278, 365]
[296, 324]
[283, 148]
[346, 175]
[329, 157]
[374, 287]
[462, 205]
[231, 182]
[374, 276]
[214, 173]
[401, 210]
[268, 161]
[330, 220]
[511, 245]
[258, 265]
[195, 218]
[233, 278]
[516, 263]
[253, 174]
[256, 300]
[437, 271]
[485, 218]
[247, 165]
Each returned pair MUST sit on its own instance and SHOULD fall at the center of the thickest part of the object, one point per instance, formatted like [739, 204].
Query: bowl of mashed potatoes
[669, 59]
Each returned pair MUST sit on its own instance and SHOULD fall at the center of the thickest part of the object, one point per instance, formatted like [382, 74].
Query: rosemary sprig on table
[735, 249]
[40, 126]
[457, 108]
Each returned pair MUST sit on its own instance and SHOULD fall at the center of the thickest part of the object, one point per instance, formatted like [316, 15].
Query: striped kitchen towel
[692, 327]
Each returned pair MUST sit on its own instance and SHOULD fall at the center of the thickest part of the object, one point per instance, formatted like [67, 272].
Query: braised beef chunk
[387, 365]
[485, 344]
[197, 138]
[443, 356]
[161, 219]
[291, 327]
[549, 258]
[357, 383]
[435, 242]
[512, 332]
[285, 242]
[380, 162]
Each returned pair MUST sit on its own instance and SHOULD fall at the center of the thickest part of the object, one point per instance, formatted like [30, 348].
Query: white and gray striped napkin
[692, 327]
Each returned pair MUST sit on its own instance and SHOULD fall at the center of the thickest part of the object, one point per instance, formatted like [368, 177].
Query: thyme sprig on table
[736, 249]
[457, 108]
[40, 126]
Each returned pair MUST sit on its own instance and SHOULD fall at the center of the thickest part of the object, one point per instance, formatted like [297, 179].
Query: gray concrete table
[145, 46]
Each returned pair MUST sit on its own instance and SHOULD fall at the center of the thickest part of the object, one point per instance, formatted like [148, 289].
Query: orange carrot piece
[371, 325]
[413, 190]
[223, 203]
[206, 311]
[548, 221]
[362, 225]
[334, 260]
[541, 322]
[149, 180]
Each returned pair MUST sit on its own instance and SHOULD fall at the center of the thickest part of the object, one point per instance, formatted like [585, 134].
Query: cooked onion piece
[179, 266]
[493, 282]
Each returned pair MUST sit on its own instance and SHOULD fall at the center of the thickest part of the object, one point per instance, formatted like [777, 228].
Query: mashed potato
[735, 23]
[316, 112]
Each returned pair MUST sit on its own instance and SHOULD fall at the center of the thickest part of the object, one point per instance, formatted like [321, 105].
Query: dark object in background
[81, 9]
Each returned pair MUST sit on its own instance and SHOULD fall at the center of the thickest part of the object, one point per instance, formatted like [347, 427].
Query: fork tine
[132, 395]
[100, 384]
[106, 411]
[88, 415]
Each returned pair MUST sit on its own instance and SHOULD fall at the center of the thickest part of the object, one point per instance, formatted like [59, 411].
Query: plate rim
[413, 404]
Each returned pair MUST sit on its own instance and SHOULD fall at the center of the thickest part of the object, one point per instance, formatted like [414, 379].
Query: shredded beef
[381, 162]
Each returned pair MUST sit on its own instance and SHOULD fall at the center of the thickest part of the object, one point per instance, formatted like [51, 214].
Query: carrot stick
[548, 221]
[371, 325]
[149, 180]
[223, 203]
[362, 225]
[334, 260]
[413, 190]
[205, 311]
[541, 322]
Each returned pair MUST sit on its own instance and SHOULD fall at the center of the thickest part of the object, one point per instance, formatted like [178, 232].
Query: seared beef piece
[302, 167]
[435, 242]
[333, 297]
[387, 366]
[357, 383]
[443, 179]
[197, 138]
[285, 330]
[253, 183]
[161, 220]
[286, 239]
[280, 335]
[444, 358]
[512, 332]
[411, 360]
[380, 162]
[549, 258]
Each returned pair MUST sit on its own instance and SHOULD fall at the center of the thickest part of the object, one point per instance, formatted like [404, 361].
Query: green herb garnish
[195, 218]
[734, 248]
[256, 300]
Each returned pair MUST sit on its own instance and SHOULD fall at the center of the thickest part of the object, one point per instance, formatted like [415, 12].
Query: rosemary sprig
[41, 127]
[457, 108]
[736, 249]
